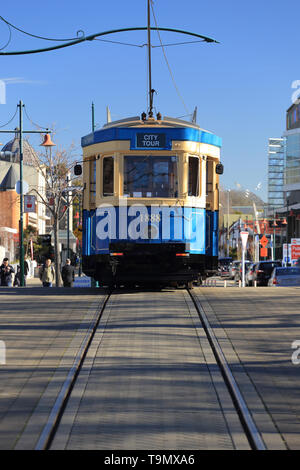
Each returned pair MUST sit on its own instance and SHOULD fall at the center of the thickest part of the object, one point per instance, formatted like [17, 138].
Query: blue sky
[242, 87]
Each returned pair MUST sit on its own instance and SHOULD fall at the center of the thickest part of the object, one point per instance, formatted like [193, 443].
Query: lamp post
[228, 193]
[21, 229]
[21, 105]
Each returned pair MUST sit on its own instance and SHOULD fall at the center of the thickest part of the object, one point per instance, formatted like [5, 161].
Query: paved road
[42, 330]
[256, 327]
[147, 382]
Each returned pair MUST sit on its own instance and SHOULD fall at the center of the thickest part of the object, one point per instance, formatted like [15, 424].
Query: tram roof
[172, 128]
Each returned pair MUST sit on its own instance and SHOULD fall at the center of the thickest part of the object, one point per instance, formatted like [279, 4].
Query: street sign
[264, 241]
[295, 252]
[18, 187]
[264, 252]
[244, 237]
[29, 203]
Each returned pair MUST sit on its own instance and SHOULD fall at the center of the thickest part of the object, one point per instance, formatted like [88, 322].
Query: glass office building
[276, 164]
[292, 153]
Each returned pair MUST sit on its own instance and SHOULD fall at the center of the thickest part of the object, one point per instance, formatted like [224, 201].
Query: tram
[150, 201]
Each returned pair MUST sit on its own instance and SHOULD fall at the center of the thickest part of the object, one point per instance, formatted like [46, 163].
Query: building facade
[276, 164]
[292, 154]
[10, 200]
[291, 187]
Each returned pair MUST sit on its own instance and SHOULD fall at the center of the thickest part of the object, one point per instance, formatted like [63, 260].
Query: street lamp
[21, 224]
[228, 193]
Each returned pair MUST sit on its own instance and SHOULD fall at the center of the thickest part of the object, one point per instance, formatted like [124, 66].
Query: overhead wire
[32, 122]
[167, 62]
[119, 42]
[36, 36]
[10, 119]
[9, 39]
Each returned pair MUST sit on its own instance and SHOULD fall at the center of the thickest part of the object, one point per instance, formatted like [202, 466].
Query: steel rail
[91, 37]
[251, 431]
[58, 408]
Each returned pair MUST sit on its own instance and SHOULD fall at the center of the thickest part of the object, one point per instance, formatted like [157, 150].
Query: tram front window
[148, 176]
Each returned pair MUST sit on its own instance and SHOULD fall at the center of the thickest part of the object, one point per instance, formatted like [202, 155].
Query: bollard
[225, 284]
[240, 283]
[255, 283]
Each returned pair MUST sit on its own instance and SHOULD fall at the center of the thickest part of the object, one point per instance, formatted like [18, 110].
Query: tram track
[243, 412]
[57, 411]
[249, 428]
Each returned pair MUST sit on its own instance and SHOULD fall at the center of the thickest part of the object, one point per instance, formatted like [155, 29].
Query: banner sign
[29, 203]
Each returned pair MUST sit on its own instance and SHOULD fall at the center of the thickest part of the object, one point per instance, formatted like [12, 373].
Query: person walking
[47, 274]
[6, 272]
[17, 281]
[68, 274]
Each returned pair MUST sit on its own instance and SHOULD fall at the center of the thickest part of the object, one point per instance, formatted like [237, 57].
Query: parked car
[238, 275]
[263, 271]
[289, 276]
[249, 274]
[233, 268]
[223, 266]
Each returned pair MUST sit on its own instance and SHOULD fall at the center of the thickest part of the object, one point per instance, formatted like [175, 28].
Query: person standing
[6, 272]
[68, 274]
[47, 274]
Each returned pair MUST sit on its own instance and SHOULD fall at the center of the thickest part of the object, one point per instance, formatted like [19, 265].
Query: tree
[56, 170]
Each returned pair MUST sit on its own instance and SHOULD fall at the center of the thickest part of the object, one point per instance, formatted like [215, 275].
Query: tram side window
[108, 176]
[93, 181]
[209, 177]
[193, 185]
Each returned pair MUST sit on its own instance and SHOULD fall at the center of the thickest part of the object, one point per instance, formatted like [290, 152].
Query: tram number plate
[150, 140]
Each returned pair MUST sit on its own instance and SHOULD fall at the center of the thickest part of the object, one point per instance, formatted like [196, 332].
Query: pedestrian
[68, 274]
[17, 281]
[6, 272]
[47, 274]
[26, 271]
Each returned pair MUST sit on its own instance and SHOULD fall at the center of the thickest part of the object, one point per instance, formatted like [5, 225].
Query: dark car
[223, 266]
[263, 271]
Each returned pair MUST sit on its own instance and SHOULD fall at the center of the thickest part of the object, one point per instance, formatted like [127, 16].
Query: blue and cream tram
[150, 203]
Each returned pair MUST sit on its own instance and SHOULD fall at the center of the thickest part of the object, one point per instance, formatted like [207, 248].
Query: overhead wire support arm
[91, 37]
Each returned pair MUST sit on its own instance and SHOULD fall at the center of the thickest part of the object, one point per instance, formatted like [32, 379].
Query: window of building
[108, 176]
[194, 177]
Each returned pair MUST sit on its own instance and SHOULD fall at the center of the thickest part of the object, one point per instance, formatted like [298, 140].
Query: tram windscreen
[150, 176]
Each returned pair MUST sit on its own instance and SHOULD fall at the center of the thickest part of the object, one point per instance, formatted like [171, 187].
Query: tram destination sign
[150, 140]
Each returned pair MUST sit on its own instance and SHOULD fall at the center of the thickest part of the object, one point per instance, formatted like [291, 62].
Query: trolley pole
[93, 117]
